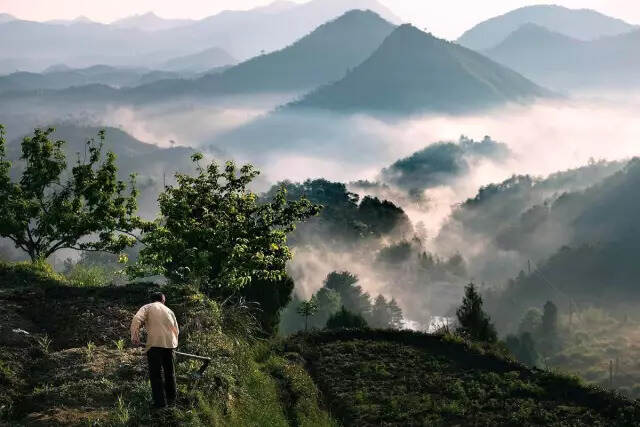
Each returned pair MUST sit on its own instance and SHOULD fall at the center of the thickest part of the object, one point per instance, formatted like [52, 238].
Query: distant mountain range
[62, 77]
[200, 62]
[319, 58]
[581, 24]
[77, 20]
[5, 17]
[413, 71]
[145, 41]
[565, 63]
[150, 22]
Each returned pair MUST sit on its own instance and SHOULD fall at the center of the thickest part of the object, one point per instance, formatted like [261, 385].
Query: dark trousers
[162, 359]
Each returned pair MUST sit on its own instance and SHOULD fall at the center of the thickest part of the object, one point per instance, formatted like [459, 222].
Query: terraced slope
[394, 378]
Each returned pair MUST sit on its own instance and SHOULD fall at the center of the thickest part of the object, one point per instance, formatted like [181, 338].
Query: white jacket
[160, 323]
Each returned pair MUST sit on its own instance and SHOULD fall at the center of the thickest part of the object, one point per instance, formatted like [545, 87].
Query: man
[162, 339]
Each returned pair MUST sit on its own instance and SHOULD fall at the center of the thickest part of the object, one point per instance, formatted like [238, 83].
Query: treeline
[341, 293]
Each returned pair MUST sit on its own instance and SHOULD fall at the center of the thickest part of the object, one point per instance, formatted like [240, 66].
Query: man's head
[158, 297]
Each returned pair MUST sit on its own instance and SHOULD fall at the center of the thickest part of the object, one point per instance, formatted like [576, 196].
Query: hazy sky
[445, 18]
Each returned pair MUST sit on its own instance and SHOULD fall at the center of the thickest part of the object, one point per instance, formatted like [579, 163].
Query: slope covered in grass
[405, 378]
[62, 361]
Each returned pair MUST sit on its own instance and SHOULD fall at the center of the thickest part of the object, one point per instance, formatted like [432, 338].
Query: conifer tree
[474, 322]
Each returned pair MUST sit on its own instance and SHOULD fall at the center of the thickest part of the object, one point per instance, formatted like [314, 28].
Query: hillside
[581, 24]
[72, 364]
[413, 71]
[67, 366]
[201, 61]
[58, 78]
[321, 57]
[150, 22]
[564, 63]
[406, 378]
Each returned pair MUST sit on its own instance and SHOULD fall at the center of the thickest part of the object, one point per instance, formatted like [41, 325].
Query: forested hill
[413, 71]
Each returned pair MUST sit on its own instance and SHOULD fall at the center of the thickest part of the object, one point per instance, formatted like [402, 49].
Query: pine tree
[549, 329]
[474, 322]
[397, 318]
[380, 313]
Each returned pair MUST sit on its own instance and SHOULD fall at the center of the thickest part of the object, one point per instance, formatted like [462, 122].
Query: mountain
[277, 6]
[321, 57]
[33, 46]
[62, 77]
[413, 71]
[581, 24]
[150, 22]
[271, 29]
[200, 62]
[77, 20]
[564, 63]
[5, 17]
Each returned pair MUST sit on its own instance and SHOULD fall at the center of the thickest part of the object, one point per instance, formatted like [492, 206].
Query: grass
[87, 376]
[403, 378]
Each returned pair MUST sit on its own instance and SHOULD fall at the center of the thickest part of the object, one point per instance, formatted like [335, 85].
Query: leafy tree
[345, 319]
[307, 309]
[329, 302]
[474, 322]
[51, 208]
[214, 232]
[380, 313]
[344, 218]
[353, 297]
[267, 298]
[386, 314]
[523, 348]
[290, 319]
[531, 322]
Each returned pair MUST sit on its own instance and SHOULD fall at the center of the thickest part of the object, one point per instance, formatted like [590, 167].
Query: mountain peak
[580, 24]
[5, 17]
[413, 71]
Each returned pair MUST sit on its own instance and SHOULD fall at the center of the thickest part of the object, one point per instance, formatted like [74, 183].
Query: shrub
[346, 319]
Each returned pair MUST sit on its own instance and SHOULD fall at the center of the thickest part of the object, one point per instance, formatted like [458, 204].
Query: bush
[89, 275]
[346, 319]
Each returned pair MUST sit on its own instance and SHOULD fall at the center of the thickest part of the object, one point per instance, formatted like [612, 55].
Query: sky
[445, 18]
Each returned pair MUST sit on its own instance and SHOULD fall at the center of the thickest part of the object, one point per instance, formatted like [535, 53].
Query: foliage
[24, 274]
[346, 319]
[83, 275]
[267, 298]
[474, 322]
[523, 348]
[385, 314]
[307, 309]
[344, 218]
[45, 211]
[437, 163]
[214, 232]
[352, 296]
[329, 302]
